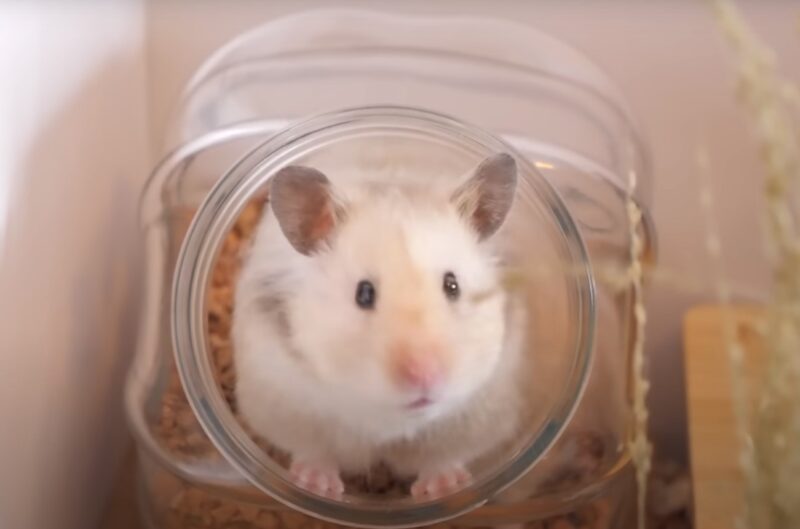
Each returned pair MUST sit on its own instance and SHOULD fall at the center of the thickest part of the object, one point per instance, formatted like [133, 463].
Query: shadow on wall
[73, 271]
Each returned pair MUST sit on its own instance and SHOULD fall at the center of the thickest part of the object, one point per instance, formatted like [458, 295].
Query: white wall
[666, 56]
[73, 155]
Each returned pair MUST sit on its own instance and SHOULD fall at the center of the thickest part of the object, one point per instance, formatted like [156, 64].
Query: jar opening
[540, 231]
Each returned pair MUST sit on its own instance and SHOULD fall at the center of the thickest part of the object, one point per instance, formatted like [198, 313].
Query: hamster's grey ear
[305, 206]
[485, 199]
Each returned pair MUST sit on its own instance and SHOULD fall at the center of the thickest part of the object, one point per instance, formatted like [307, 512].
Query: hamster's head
[399, 314]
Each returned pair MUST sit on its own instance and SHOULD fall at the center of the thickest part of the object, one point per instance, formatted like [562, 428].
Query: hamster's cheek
[355, 375]
[478, 343]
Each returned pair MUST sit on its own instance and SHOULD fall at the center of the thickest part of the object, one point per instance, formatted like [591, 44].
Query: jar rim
[498, 42]
[188, 321]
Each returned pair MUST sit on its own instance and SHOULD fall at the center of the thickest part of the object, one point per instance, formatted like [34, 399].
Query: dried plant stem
[773, 490]
[640, 447]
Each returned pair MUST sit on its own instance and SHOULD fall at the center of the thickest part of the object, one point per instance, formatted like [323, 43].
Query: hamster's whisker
[509, 280]
[484, 295]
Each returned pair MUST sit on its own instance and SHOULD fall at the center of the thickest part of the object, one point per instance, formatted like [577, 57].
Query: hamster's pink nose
[419, 372]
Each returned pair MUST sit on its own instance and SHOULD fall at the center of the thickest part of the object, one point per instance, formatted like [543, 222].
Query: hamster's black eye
[365, 295]
[450, 286]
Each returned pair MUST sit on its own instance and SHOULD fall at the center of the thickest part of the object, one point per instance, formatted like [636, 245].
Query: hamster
[370, 325]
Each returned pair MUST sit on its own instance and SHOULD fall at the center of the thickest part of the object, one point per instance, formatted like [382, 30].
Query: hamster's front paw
[318, 477]
[438, 482]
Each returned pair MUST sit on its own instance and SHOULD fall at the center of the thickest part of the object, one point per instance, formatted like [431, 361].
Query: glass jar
[328, 87]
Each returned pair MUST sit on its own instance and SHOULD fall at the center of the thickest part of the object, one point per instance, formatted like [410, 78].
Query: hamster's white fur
[315, 371]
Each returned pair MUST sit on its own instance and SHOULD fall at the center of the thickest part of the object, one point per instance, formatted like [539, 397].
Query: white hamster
[370, 325]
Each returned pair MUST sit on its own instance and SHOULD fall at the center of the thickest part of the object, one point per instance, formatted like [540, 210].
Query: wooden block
[714, 446]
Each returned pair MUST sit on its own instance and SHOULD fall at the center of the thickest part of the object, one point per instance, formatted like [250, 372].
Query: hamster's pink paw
[439, 482]
[318, 477]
